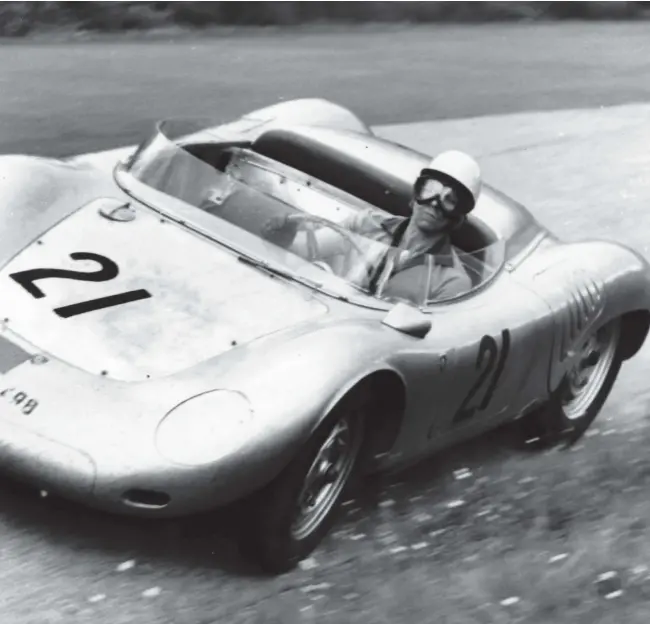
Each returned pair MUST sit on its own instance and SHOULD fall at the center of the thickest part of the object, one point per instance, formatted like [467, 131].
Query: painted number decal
[108, 270]
[488, 372]
[20, 399]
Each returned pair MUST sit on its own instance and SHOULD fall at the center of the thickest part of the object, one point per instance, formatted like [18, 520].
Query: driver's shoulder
[370, 220]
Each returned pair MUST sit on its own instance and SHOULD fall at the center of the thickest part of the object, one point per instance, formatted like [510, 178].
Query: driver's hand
[280, 230]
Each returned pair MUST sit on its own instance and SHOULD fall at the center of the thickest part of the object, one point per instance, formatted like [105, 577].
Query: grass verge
[490, 536]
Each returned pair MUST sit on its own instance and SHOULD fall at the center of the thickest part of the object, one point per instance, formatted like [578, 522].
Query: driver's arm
[329, 242]
[286, 232]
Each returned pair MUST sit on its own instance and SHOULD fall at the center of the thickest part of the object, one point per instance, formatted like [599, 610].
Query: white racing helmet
[462, 171]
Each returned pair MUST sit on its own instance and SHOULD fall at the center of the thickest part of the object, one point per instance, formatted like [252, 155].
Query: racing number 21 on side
[488, 375]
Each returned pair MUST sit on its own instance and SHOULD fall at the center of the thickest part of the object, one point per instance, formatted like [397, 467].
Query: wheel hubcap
[586, 378]
[325, 479]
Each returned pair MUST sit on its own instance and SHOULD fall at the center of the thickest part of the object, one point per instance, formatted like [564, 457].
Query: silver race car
[163, 352]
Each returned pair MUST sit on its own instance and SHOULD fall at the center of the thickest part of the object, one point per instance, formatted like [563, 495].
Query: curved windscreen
[351, 255]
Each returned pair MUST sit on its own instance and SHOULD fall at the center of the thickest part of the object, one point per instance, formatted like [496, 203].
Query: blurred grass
[460, 563]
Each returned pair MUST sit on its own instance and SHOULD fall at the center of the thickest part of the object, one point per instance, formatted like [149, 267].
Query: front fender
[293, 383]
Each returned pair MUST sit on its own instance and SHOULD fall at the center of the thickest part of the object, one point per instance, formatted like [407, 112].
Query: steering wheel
[310, 224]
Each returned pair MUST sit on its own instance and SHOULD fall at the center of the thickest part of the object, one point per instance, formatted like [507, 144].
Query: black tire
[269, 535]
[550, 425]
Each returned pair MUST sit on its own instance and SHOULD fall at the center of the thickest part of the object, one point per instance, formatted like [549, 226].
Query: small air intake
[148, 499]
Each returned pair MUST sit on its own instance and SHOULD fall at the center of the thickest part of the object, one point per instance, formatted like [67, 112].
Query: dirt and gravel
[419, 544]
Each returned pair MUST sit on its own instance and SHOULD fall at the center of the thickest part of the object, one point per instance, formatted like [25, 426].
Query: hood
[142, 298]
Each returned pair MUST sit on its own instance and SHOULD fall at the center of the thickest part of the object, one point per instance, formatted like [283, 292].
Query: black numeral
[19, 397]
[108, 270]
[495, 364]
[30, 406]
[102, 302]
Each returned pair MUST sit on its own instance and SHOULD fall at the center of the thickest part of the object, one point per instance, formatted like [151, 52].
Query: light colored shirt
[432, 275]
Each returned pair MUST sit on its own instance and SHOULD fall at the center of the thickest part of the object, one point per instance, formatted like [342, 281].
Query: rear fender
[305, 112]
[587, 285]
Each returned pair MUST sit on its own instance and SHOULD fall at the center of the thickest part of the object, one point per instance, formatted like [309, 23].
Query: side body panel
[484, 362]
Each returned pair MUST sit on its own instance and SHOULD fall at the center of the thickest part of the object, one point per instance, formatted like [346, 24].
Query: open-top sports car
[163, 352]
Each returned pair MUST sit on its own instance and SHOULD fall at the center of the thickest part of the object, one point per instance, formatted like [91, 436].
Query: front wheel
[290, 517]
[581, 394]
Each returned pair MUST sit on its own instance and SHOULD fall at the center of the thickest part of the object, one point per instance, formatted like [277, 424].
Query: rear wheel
[581, 394]
[290, 517]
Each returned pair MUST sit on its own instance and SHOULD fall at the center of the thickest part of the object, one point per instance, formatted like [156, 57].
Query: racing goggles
[430, 190]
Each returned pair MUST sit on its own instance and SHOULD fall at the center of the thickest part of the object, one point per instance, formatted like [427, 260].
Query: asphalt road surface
[583, 173]
[60, 99]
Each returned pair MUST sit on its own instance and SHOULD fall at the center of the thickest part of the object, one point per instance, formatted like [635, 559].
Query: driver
[443, 194]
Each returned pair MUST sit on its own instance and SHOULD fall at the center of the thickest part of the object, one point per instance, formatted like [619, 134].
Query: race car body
[161, 356]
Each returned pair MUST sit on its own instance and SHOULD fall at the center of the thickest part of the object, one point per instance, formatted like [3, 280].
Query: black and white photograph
[324, 312]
